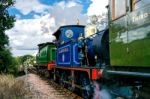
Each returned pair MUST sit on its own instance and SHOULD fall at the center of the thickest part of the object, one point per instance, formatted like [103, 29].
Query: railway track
[59, 90]
[67, 94]
[63, 91]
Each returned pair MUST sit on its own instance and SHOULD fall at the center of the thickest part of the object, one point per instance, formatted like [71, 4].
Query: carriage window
[118, 8]
[139, 3]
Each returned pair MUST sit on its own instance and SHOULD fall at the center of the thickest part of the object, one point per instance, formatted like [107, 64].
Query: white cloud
[27, 33]
[27, 6]
[97, 7]
[20, 52]
[68, 13]
[71, 4]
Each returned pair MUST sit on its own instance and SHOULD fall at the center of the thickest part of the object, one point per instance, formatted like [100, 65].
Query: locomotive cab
[67, 45]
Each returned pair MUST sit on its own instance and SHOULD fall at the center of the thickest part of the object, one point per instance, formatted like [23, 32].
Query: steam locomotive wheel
[62, 79]
[87, 89]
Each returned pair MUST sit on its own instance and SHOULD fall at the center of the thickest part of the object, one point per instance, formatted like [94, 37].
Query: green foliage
[6, 22]
[25, 58]
[7, 62]
[29, 59]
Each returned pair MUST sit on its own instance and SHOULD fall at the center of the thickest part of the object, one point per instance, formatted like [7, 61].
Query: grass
[10, 88]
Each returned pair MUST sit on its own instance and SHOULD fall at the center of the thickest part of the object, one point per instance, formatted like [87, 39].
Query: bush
[10, 88]
[8, 64]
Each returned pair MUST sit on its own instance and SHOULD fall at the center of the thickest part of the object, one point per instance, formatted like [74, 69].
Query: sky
[37, 20]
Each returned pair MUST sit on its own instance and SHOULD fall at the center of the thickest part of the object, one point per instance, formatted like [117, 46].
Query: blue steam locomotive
[74, 50]
[79, 57]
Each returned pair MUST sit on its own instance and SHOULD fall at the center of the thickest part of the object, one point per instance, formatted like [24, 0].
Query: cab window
[139, 3]
[118, 8]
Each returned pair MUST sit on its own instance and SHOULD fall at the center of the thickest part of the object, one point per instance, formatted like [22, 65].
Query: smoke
[100, 93]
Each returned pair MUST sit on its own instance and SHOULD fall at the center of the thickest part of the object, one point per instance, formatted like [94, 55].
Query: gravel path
[40, 89]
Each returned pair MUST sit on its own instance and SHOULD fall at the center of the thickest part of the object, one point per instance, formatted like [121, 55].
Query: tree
[6, 22]
[26, 58]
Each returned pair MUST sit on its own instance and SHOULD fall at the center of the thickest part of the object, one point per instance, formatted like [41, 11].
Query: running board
[127, 73]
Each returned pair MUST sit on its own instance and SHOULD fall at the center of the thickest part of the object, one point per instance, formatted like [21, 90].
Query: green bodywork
[46, 54]
[130, 38]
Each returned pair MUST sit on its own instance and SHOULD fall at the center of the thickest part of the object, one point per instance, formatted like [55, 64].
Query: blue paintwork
[67, 51]
[76, 32]
[67, 54]
[75, 54]
[64, 57]
[61, 36]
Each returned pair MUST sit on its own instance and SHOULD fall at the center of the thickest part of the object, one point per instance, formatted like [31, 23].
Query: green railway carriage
[46, 54]
[129, 23]
[128, 74]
